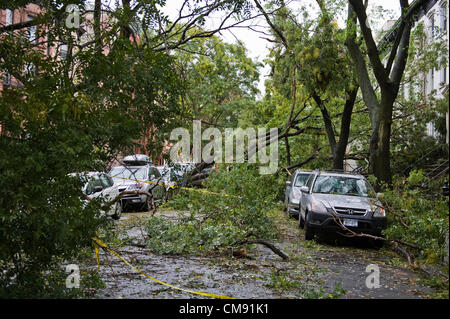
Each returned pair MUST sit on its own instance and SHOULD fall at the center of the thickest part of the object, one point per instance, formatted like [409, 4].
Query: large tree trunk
[381, 165]
[341, 147]
[338, 148]
[388, 78]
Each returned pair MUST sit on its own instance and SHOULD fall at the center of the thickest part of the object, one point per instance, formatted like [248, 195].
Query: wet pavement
[315, 269]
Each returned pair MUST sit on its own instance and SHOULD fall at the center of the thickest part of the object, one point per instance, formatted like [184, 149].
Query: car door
[94, 187]
[288, 190]
[305, 196]
[109, 192]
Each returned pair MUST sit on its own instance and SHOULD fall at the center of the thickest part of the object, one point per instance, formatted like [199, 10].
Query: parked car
[99, 184]
[138, 174]
[349, 196]
[292, 194]
[170, 178]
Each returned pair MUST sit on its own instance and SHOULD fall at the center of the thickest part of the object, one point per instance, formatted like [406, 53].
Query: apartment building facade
[433, 16]
[435, 82]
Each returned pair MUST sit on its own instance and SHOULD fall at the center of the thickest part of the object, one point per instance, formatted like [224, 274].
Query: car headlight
[379, 212]
[318, 207]
[296, 194]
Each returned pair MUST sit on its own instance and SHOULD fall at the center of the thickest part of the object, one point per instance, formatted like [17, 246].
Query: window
[310, 181]
[432, 26]
[443, 16]
[153, 171]
[139, 173]
[431, 80]
[341, 186]
[30, 69]
[7, 80]
[104, 180]
[9, 17]
[63, 51]
[32, 34]
[110, 180]
[444, 75]
[92, 185]
[301, 180]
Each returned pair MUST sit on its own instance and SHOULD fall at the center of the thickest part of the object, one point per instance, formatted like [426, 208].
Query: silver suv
[292, 193]
[138, 174]
[350, 197]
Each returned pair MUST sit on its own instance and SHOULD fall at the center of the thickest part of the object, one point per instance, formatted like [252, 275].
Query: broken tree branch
[265, 243]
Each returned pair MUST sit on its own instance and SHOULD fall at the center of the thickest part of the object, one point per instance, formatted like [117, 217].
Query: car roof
[340, 174]
[302, 171]
[89, 175]
[133, 166]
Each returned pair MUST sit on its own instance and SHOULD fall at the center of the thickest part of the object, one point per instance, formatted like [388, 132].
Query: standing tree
[303, 53]
[79, 95]
[387, 75]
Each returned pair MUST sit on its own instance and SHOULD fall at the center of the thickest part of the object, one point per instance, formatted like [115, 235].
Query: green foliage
[282, 281]
[231, 207]
[426, 217]
[337, 292]
[68, 115]
[52, 284]
[221, 80]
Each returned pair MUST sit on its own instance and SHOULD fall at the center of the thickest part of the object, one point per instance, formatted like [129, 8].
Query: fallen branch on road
[395, 243]
[265, 243]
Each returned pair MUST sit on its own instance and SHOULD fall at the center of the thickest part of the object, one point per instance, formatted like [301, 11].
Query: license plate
[350, 222]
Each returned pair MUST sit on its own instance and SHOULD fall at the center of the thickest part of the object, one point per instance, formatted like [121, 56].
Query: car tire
[301, 222]
[309, 232]
[117, 211]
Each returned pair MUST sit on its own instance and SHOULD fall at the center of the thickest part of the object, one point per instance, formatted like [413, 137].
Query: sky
[254, 41]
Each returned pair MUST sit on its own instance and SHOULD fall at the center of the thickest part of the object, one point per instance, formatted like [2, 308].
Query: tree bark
[388, 80]
[341, 146]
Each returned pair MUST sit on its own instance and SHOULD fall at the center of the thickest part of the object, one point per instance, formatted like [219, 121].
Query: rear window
[138, 173]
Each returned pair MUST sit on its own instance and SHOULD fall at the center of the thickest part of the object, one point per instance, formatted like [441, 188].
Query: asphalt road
[330, 267]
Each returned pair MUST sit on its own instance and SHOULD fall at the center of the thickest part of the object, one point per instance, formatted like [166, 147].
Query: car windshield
[301, 180]
[138, 173]
[342, 185]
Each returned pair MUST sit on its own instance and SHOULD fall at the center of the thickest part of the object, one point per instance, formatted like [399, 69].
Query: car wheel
[301, 222]
[117, 211]
[309, 232]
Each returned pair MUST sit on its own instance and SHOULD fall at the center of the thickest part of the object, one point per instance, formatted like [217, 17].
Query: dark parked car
[350, 197]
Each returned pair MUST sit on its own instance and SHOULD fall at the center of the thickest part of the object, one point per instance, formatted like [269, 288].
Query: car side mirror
[97, 189]
[304, 189]
[288, 183]
[152, 176]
